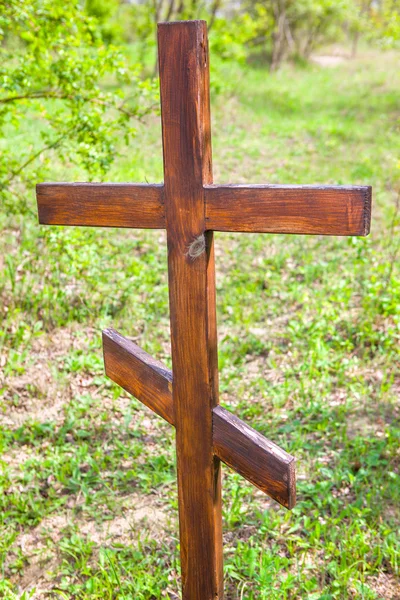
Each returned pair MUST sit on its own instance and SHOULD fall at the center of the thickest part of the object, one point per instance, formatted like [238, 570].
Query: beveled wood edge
[288, 187]
[126, 364]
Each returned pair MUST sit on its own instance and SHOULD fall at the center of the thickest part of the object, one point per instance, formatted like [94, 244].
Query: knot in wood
[197, 247]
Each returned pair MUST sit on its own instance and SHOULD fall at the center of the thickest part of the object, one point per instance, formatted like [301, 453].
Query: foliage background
[308, 326]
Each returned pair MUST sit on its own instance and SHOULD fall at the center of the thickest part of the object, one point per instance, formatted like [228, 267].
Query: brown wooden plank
[101, 204]
[138, 373]
[324, 210]
[256, 458]
[185, 113]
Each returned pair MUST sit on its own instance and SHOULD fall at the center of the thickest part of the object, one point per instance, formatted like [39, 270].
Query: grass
[309, 331]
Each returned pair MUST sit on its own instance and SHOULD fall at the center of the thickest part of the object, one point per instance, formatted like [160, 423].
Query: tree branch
[50, 95]
[32, 158]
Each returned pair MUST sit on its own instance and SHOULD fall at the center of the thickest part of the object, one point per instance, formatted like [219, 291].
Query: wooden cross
[190, 207]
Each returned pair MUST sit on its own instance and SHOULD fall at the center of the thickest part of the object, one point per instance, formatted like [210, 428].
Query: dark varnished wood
[138, 373]
[190, 207]
[101, 204]
[256, 458]
[185, 115]
[325, 210]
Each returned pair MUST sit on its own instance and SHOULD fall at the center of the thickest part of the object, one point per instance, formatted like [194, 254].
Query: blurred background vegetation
[79, 55]
[303, 91]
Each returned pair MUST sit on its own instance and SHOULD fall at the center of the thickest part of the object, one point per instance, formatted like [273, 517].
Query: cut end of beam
[367, 209]
[183, 24]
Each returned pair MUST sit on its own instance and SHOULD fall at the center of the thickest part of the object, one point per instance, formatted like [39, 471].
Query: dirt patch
[328, 60]
[40, 546]
[14, 459]
[34, 395]
[257, 367]
[40, 393]
[372, 423]
[364, 425]
[385, 585]
[139, 513]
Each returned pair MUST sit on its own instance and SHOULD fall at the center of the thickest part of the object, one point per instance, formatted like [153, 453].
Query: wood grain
[138, 373]
[101, 204]
[255, 457]
[185, 115]
[328, 210]
[190, 207]
[246, 451]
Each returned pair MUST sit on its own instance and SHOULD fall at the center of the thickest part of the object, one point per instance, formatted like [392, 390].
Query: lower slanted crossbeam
[239, 446]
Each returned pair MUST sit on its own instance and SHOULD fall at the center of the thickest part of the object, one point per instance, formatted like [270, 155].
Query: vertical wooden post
[184, 83]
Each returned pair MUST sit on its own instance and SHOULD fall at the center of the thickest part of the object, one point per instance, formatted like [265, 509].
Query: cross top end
[190, 208]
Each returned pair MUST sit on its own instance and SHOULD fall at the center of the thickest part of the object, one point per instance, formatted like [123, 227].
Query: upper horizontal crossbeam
[328, 210]
[241, 447]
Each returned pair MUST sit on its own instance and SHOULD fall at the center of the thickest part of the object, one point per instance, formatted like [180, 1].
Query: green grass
[309, 331]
